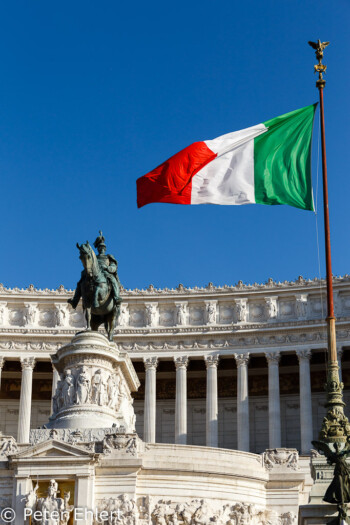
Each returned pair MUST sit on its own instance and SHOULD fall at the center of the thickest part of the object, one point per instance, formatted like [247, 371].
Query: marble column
[242, 402]
[55, 379]
[181, 363]
[211, 362]
[25, 402]
[340, 355]
[149, 422]
[2, 362]
[274, 400]
[306, 430]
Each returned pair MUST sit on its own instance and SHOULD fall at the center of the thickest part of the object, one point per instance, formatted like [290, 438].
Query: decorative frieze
[203, 511]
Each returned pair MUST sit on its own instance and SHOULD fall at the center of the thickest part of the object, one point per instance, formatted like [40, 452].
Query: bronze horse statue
[101, 298]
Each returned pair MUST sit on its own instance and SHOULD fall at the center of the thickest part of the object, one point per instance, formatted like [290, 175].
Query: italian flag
[269, 163]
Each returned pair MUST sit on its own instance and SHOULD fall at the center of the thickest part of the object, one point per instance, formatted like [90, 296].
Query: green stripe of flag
[282, 160]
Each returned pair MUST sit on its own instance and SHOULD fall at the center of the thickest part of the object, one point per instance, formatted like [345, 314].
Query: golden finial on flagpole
[319, 68]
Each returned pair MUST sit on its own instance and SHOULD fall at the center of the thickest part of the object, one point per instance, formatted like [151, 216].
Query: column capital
[181, 361]
[242, 359]
[150, 363]
[273, 358]
[28, 363]
[2, 362]
[211, 360]
[304, 354]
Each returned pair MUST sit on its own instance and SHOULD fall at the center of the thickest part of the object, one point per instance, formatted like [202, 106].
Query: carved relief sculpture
[151, 314]
[30, 314]
[83, 387]
[121, 511]
[68, 390]
[98, 389]
[61, 315]
[211, 312]
[124, 315]
[4, 318]
[181, 313]
[301, 306]
[281, 457]
[241, 310]
[271, 307]
[113, 391]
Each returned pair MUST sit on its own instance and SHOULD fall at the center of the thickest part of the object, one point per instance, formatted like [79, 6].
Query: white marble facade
[146, 479]
[179, 325]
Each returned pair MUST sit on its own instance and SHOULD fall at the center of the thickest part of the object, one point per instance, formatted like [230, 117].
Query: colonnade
[211, 362]
[242, 360]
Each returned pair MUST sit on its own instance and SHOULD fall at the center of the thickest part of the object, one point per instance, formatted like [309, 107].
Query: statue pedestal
[96, 381]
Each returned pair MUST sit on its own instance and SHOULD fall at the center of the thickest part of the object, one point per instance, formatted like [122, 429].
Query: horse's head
[88, 258]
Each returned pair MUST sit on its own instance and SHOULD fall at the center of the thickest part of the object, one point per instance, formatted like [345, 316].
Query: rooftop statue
[99, 287]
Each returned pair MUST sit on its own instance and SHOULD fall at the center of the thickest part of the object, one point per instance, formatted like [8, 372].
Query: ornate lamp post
[335, 430]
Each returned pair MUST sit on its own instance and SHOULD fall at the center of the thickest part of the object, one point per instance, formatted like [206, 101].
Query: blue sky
[96, 94]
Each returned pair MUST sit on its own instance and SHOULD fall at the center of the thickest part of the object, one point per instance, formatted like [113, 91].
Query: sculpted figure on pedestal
[83, 387]
[99, 287]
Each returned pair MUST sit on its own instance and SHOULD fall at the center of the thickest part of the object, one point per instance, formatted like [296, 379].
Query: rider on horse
[108, 265]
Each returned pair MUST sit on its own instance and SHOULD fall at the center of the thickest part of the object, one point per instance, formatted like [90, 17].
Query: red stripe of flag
[172, 180]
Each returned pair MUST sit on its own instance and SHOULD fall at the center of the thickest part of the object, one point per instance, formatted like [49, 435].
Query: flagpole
[335, 426]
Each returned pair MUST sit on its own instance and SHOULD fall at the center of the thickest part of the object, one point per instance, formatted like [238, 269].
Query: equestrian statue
[99, 287]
